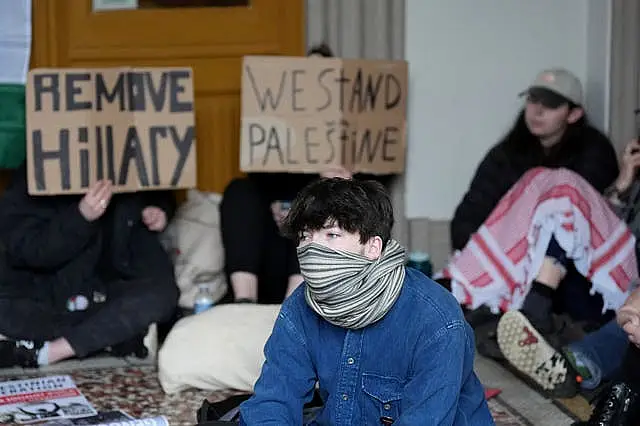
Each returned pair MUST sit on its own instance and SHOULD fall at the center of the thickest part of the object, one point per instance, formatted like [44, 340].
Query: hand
[95, 202]
[154, 218]
[279, 214]
[337, 172]
[629, 166]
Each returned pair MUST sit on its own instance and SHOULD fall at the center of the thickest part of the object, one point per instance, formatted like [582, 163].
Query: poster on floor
[132, 126]
[310, 115]
[42, 398]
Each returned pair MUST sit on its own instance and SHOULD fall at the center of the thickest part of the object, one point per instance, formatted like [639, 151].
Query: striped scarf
[349, 290]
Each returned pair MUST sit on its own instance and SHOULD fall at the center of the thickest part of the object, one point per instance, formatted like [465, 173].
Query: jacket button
[350, 361]
[387, 407]
[345, 397]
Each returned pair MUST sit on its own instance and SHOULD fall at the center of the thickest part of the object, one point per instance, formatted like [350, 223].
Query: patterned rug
[136, 390]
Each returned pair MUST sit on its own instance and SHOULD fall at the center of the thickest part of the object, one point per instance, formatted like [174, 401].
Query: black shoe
[19, 353]
[619, 406]
[132, 347]
[537, 356]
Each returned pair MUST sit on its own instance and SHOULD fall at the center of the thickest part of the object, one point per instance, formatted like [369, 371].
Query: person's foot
[19, 353]
[132, 347]
[618, 406]
[532, 355]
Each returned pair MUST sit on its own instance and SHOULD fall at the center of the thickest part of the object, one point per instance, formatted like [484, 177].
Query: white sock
[43, 354]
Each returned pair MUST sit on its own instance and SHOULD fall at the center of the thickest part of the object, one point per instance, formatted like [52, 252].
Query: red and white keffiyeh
[500, 261]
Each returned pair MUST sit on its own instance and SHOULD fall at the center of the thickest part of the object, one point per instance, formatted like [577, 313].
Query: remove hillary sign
[312, 114]
[133, 126]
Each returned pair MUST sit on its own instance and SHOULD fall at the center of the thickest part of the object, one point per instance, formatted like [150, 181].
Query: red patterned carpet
[136, 390]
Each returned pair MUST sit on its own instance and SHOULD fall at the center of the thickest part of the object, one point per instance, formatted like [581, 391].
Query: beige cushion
[221, 348]
[193, 239]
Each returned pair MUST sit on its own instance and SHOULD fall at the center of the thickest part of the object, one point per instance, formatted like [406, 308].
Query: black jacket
[591, 155]
[49, 252]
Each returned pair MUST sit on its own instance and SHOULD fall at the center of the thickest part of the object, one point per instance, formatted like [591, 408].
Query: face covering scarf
[349, 290]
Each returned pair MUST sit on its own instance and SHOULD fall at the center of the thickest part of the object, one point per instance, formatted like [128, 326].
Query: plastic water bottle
[421, 261]
[203, 300]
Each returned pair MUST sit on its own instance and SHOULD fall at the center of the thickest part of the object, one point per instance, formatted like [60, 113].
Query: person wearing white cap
[551, 131]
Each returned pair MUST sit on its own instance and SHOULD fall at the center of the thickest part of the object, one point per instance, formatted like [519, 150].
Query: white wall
[468, 60]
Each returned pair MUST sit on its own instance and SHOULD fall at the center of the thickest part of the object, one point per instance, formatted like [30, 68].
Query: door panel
[211, 40]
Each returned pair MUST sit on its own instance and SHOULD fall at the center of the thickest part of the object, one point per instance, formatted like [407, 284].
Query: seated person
[81, 273]
[375, 336]
[619, 404]
[261, 264]
[552, 131]
[597, 356]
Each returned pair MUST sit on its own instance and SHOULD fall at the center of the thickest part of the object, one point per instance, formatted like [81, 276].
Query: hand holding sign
[95, 202]
[154, 218]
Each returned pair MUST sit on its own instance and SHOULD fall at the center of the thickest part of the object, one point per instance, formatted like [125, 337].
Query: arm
[484, 192]
[287, 380]
[38, 235]
[432, 395]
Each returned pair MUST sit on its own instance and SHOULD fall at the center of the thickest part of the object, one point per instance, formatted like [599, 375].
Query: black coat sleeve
[487, 187]
[597, 163]
[41, 232]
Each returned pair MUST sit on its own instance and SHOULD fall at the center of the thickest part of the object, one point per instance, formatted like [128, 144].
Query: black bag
[227, 412]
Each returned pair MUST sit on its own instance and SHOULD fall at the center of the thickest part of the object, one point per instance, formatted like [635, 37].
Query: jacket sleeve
[39, 234]
[482, 195]
[287, 380]
[598, 164]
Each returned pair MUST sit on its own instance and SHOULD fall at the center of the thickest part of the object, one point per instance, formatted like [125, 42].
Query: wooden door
[211, 40]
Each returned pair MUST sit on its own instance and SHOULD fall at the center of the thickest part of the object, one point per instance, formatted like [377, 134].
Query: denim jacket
[413, 367]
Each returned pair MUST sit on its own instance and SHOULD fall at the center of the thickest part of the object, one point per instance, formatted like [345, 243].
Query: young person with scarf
[375, 336]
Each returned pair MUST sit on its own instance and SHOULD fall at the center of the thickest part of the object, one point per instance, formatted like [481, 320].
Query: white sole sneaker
[525, 348]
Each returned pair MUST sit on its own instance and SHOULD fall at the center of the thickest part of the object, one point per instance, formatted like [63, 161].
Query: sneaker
[19, 353]
[532, 355]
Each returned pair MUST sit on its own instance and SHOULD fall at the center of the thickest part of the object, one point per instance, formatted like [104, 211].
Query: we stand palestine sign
[312, 114]
[133, 126]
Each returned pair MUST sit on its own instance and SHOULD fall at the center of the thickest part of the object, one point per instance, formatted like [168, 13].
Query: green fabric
[12, 125]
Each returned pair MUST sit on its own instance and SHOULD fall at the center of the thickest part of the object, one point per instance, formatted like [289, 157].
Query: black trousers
[253, 243]
[130, 307]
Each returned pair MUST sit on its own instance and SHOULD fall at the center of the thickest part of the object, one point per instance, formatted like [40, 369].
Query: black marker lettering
[155, 133]
[72, 89]
[61, 155]
[132, 151]
[295, 89]
[52, 87]
[83, 138]
[102, 91]
[176, 88]
[257, 136]
[183, 146]
[325, 88]
[262, 98]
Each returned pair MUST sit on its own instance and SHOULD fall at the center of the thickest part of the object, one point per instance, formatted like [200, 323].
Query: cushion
[221, 348]
[194, 241]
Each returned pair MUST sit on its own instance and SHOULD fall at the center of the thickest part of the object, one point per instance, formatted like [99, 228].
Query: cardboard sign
[133, 126]
[312, 114]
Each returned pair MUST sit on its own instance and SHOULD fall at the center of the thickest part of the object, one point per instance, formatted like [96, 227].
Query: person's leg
[131, 307]
[597, 355]
[32, 332]
[619, 405]
[244, 217]
[538, 304]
